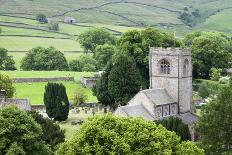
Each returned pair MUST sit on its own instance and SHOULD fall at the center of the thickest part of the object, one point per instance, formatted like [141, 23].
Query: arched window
[186, 67]
[164, 67]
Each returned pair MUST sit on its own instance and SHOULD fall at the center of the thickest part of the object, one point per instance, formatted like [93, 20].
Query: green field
[34, 91]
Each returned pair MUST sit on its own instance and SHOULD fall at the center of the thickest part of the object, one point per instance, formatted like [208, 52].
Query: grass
[70, 130]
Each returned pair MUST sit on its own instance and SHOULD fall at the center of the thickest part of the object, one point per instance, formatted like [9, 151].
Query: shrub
[85, 62]
[56, 101]
[40, 58]
[7, 85]
[215, 74]
[41, 18]
[79, 97]
[53, 26]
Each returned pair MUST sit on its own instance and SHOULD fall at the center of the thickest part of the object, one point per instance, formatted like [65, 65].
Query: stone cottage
[69, 20]
[170, 92]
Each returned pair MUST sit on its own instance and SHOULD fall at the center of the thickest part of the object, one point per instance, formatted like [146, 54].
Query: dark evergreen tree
[56, 101]
[175, 124]
[124, 80]
[52, 134]
[101, 89]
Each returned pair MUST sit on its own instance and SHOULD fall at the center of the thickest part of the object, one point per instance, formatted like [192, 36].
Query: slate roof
[158, 96]
[188, 118]
[137, 111]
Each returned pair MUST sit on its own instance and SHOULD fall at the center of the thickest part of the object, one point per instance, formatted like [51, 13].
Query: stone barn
[69, 20]
[89, 81]
[170, 92]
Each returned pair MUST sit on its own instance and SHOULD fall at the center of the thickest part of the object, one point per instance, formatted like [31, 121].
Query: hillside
[20, 30]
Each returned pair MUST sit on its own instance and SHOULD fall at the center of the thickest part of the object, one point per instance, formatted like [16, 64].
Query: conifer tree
[56, 101]
[124, 80]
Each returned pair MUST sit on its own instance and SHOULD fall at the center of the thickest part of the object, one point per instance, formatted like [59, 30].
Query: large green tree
[56, 101]
[110, 134]
[136, 44]
[89, 40]
[85, 62]
[209, 50]
[20, 134]
[215, 124]
[124, 80]
[6, 84]
[101, 90]
[40, 58]
[6, 62]
[52, 134]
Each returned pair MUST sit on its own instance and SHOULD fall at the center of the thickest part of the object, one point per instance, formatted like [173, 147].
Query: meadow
[34, 91]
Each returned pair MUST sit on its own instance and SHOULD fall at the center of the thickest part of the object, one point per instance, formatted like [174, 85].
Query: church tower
[171, 68]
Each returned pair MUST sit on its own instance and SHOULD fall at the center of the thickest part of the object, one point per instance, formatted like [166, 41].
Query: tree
[101, 90]
[40, 58]
[215, 123]
[52, 134]
[103, 54]
[136, 45]
[54, 26]
[110, 134]
[175, 124]
[56, 101]
[7, 85]
[79, 97]
[89, 40]
[215, 74]
[85, 62]
[124, 80]
[20, 134]
[41, 18]
[209, 45]
[6, 62]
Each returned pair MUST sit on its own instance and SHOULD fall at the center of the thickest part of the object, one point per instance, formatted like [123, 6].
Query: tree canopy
[124, 80]
[6, 62]
[215, 123]
[20, 134]
[7, 85]
[41, 18]
[110, 134]
[40, 58]
[89, 40]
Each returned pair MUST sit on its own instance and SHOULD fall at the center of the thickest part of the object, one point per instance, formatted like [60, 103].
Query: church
[170, 92]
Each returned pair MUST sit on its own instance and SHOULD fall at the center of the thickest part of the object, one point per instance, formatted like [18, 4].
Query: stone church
[170, 92]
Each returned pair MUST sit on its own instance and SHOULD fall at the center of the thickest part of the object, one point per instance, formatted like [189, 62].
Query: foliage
[85, 62]
[40, 58]
[215, 74]
[6, 62]
[175, 124]
[110, 134]
[20, 134]
[89, 40]
[103, 54]
[56, 101]
[7, 85]
[188, 148]
[124, 80]
[215, 123]
[54, 26]
[79, 97]
[209, 45]
[190, 16]
[101, 90]
[52, 134]
[203, 90]
[41, 18]
[136, 45]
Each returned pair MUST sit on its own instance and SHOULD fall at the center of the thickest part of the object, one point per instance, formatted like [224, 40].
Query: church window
[164, 67]
[186, 67]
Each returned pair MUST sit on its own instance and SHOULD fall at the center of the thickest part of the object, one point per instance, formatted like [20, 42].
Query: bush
[7, 85]
[110, 134]
[20, 134]
[56, 101]
[79, 97]
[40, 58]
[54, 26]
[215, 74]
[85, 62]
[52, 134]
[41, 18]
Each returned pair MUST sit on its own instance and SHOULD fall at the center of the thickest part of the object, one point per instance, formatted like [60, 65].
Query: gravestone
[93, 111]
[86, 110]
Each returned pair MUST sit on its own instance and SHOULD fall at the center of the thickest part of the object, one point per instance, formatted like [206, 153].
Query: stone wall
[22, 104]
[31, 80]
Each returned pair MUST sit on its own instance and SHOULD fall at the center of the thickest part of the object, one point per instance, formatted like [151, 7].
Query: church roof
[158, 96]
[188, 118]
[137, 111]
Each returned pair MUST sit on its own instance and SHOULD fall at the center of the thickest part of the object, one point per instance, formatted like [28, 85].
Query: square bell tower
[171, 68]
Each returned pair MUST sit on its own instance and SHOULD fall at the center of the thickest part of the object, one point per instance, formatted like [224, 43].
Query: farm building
[69, 20]
[89, 81]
